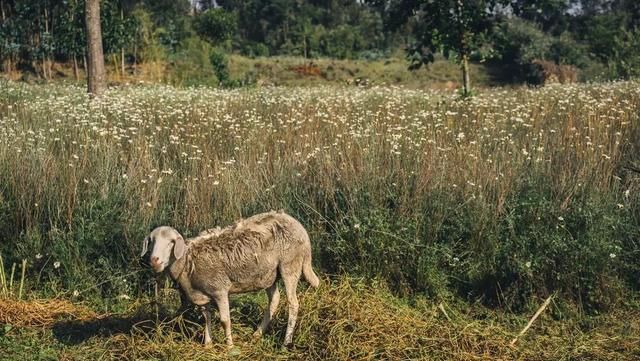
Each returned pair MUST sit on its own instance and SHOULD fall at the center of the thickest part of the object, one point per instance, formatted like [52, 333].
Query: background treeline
[191, 39]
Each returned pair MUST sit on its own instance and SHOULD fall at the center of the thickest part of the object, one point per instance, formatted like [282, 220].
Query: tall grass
[514, 193]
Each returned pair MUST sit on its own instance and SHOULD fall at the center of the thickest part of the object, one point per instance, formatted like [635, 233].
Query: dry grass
[41, 313]
[208, 154]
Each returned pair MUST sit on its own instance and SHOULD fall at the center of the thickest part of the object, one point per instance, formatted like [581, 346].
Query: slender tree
[453, 27]
[96, 77]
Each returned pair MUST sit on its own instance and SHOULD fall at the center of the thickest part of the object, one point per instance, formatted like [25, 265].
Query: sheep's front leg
[222, 300]
[206, 311]
[274, 298]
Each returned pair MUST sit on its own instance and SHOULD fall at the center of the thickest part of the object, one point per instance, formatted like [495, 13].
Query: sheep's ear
[145, 245]
[178, 247]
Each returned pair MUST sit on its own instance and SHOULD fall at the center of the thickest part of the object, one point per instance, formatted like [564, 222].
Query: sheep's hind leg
[274, 298]
[222, 300]
[291, 284]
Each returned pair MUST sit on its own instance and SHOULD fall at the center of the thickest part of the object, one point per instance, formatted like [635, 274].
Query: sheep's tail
[308, 273]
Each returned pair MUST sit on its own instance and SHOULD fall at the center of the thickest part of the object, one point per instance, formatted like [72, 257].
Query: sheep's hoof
[208, 344]
[257, 334]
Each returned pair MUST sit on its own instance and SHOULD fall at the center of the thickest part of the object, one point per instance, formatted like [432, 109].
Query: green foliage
[521, 42]
[518, 44]
[191, 64]
[540, 248]
[550, 15]
[565, 49]
[220, 64]
[255, 50]
[118, 31]
[453, 27]
[626, 60]
[146, 38]
[216, 25]
[69, 37]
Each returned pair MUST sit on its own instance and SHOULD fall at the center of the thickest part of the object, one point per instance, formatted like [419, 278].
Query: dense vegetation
[192, 40]
[510, 195]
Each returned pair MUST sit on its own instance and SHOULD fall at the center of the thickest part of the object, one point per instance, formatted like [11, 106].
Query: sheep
[247, 256]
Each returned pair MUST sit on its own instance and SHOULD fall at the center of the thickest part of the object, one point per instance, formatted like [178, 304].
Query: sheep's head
[166, 245]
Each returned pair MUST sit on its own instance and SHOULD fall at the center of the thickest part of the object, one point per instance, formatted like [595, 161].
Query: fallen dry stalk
[535, 316]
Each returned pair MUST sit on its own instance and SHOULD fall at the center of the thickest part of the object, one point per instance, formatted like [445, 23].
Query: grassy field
[485, 206]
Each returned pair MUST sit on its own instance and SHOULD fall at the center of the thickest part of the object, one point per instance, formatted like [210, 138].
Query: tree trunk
[122, 48]
[466, 81]
[135, 59]
[6, 66]
[95, 56]
[463, 50]
[75, 68]
[304, 41]
[114, 57]
[46, 68]
[122, 61]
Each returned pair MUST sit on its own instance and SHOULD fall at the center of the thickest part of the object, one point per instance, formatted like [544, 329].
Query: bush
[341, 42]
[565, 49]
[536, 56]
[547, 72]
[541, 248]
[191, 64]
[520, 42]
[255, 50]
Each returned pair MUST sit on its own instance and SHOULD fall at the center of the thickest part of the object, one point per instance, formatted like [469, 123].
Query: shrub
[191, 64]
[547, 72]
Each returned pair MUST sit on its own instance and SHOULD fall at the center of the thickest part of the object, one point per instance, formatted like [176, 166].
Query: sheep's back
[263, 236]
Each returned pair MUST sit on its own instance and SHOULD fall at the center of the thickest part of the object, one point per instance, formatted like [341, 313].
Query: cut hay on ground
[41, 313]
